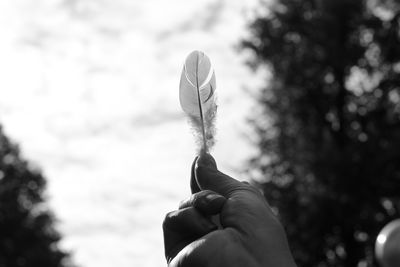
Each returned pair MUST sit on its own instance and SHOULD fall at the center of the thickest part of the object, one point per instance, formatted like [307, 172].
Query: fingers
[182, 227]
[188, 220]
[191, 221]
[194, 187]
[207, 202]
[208, 177]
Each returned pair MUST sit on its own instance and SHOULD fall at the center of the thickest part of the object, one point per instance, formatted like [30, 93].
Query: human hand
[250, 236]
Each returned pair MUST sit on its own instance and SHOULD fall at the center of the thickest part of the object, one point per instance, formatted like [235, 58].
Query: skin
[224, 223]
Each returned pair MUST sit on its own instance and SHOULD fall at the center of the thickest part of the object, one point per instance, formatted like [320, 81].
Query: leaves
[329, 152]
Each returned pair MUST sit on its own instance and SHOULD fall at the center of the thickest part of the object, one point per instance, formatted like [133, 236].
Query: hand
[250, 236]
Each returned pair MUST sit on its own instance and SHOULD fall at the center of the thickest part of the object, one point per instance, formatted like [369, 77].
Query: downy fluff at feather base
[197, 98]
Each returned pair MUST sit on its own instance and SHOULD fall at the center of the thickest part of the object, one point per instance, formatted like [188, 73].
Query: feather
[197, 97]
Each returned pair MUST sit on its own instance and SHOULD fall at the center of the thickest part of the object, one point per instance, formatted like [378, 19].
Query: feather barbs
[197, 96]
[204, 81]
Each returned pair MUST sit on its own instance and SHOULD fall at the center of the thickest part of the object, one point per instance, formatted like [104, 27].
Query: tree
[329, 130]
[27, 237]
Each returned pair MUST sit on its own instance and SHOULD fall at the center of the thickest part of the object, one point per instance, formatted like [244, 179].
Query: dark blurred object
[387, 247]
[329, 129]
[27, 237]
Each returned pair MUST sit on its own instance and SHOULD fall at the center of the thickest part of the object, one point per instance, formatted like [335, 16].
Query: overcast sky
[89, 89]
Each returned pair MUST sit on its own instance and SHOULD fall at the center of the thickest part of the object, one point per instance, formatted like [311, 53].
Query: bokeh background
[94, 148]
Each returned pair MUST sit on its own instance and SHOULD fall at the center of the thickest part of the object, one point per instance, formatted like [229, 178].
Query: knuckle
[168, 219]
[185, 203]
[176, 218]
[250, 189]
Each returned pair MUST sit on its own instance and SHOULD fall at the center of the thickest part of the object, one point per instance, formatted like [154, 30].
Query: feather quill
[197, 97]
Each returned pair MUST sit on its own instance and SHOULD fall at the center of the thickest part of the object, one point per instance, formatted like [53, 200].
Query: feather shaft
[197, 97]
[200, 106]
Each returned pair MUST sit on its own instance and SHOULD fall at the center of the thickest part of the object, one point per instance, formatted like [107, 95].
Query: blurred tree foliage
[27, 237]
[329, 129]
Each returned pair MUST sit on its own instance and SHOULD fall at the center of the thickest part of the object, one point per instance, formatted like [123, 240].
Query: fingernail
[206, 160]
[212, 197]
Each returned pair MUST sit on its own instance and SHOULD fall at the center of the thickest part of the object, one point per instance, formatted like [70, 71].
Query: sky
[89, 90]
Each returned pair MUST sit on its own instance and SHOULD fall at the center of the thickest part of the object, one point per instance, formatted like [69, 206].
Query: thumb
[208, 177]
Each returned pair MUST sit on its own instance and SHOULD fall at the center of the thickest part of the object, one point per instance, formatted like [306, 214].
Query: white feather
[197, 97]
